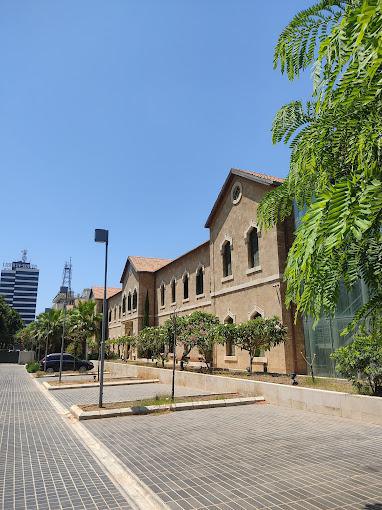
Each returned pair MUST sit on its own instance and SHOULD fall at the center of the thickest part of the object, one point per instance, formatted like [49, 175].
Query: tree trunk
[250, 363]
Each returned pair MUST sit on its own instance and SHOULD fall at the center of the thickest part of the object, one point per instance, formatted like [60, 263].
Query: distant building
[18, 286]
[61, 298]
[96, 294]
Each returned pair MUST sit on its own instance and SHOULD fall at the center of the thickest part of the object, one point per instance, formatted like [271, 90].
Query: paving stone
[43, 465]
[260, 456]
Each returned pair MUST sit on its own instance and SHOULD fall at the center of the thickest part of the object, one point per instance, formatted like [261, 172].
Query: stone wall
[356, 407]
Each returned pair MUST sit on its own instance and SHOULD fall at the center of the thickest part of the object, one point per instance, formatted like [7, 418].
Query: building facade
[237, 274]
[19, 285]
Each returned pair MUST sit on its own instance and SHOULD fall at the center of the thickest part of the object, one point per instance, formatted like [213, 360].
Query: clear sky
[128, 115]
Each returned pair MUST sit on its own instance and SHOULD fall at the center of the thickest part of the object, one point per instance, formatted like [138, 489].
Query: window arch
[135, 299]
[115, 313]
[124, 304]
[173, 291]
[229, 346]
[109, 315]
[185, 286]
[129, 302]
[119, 311]
[255, 314]
[253, 248]
[227, 262]
[199, 281]
[162, 294]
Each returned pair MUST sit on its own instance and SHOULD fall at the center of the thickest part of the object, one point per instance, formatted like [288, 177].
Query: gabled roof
[148, 263]
[110, 292]
[144, 264]
[267, 180]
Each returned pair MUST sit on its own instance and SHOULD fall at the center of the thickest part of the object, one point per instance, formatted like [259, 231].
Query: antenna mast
[67, 280]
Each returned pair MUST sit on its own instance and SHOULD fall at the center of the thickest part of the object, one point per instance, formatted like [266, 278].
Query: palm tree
[84, 323]
[49, 325]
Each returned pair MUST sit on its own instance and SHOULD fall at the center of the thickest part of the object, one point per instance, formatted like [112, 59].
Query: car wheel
[82, 369]
[49, 370]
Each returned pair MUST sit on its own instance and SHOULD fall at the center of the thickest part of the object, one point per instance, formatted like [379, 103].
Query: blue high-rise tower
[18, 286]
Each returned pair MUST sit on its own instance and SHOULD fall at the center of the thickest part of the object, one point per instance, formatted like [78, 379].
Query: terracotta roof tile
[148, 263]
[267, 177]
[111, 291]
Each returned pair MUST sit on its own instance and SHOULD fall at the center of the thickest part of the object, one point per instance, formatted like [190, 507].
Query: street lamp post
[47, 310]
[63, 290]
[102, 236]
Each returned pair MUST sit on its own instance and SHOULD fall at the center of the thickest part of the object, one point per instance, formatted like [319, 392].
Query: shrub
[361, 361]
[32, 367]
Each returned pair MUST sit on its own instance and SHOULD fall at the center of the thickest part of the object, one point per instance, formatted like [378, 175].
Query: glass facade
[326, 337]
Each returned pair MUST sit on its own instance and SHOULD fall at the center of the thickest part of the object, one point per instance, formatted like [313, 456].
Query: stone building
[237, 275]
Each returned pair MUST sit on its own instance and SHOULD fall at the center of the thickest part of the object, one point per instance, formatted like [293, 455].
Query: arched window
[255, 315]
[173, 291]
[253, 248]
[119, 311]
[135, 299]
[124, 305]
[229, 346]
[109, 315]
[162, 294]
[129, 302]
[199, 281]
[115, 313]
[185, 286]
[227, 265]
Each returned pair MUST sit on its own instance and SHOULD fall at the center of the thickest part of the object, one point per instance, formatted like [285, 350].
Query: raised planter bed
[80, 414]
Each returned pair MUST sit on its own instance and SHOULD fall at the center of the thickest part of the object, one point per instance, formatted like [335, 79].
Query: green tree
[10, 323]
[182, 338]
[259, 333]
[153, 340]
[83, 323]
[26, 336]
[335, 165]
[361, 361]
[123, 344]
[49, 330]
[200, 331]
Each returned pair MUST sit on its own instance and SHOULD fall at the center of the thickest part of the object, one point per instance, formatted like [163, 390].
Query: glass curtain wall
[326, 337]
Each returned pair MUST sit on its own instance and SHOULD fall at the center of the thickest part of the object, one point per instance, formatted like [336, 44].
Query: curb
[80, 415]
[136, 493]
[73, 374]
[74, 386]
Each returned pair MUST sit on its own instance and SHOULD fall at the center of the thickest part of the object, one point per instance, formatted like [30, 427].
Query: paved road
[248, 457]
[42, 463]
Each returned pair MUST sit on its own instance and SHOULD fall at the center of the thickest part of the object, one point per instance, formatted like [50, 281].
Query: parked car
[69, 362]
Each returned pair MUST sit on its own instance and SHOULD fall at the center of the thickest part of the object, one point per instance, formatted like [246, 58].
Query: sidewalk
[42, 463]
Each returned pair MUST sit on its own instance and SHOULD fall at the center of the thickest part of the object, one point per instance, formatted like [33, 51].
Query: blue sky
[127, 115]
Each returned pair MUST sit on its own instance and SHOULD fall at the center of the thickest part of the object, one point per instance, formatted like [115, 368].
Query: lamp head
[101, 235]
